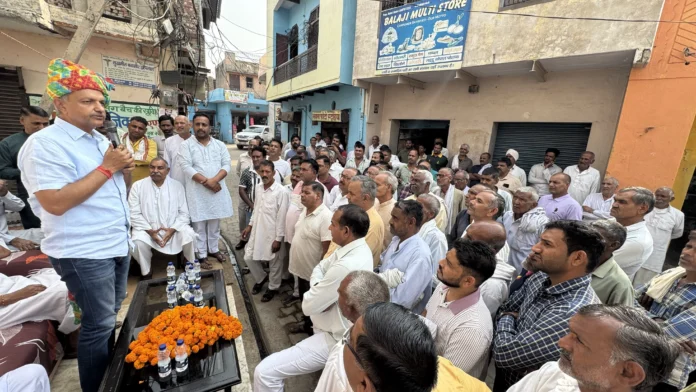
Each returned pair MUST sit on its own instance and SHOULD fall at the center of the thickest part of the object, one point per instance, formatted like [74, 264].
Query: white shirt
[339, 199]
[335, 170]
[321, 301]
[601, 207]
[282, 169]
[172, 146]
[333, 377]
[395, 162]
[269, 204]
[523, 233]
[636, 250]
[582, 183]
[520, 174]
[496, 289]
[508, 198]
[9, 202]
[549, 378]
[664, 225]
[539, 177]
[360, 167]
[371, 149]
[436, 241]
[310, 231]
[207, 160]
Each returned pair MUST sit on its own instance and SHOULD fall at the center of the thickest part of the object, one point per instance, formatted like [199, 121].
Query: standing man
[248, 183]
[323, 175]
[444, 151]
[142, 147]
[455, 200]
[173, 145]
[664, 223]
[266, 232]
[205, 163]
[73, 176]
[404, 173]
[462, 160]
[420, 184]
[631, 205]
[282, 167]
[598, 205]
[490, 177]
[312, 149]
[540, 174]
[431, 235]
[33, 119]
[362, 192]
[609, 282]
[403, 153]
[461, 181]
[516, 171]
[386, 189]
[374, 146]
[485, 206]
[294, 144]
[559, 205]
[524, 225]
[336, 168]
[477, 170]
[437, 159]
[584, 177]
[244, 160]
[339, 195]
[507, 179]
[166, 125]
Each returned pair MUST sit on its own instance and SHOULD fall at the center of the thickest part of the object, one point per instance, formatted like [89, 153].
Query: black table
[213, 368]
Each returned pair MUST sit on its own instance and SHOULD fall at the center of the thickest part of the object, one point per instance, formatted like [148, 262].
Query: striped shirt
[464, 329]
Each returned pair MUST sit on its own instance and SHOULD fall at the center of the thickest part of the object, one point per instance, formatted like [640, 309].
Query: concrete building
[310, 70]
[226, 106]
[477, 73]
[239, 78]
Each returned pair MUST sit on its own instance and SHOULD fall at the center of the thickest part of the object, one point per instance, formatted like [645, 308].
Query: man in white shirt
[266, 232]
[421, 184]
[336, 169]
[349, 226]
[374, 147]
[159, 218]
[516, 171]
[598, 205]
[600, 354]
[172, 145]
[390, 158]
[244, 160]
[464, 324]
[524, 225]
[630, 207]
[339, 194]
[490, 178]
[358, 161]
[387, 185]
[21, 240]
[584, 177]
[664, 223]
[431, 235]
[282, 167]
[461, 182]
[540, 174]
[455, 200]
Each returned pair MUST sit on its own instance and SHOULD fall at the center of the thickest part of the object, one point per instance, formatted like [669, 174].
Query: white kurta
[154, 207]
[267, 221]
[172, 146]
[194, 158]
[664, 225]
[549, 378]
[540, 175]
[601, 207]
[582, 182]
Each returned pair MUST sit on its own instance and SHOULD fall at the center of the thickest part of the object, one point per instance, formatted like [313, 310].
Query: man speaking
[74, 178]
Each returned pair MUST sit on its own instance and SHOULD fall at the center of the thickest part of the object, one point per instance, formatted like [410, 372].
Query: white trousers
[307, 356]
[30, 377]
[275, 271]
[208, 237]
[143, 254]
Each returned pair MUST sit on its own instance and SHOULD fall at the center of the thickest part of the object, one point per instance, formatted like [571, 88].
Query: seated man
[160, 218]
[349, 226]
[601, 353]
[15, 239]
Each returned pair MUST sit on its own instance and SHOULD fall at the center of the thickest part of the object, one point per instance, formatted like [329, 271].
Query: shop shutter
[12, 98]
[532, 139]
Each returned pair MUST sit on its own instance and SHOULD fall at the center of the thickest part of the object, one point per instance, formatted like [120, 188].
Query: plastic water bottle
[197, 270]
[171, 273]
[164, 363]
[190, 275]
[171, 297]
[197, 296]
[181, 357]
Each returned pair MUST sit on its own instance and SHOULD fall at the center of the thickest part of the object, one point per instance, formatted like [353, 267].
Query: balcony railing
[300, 65]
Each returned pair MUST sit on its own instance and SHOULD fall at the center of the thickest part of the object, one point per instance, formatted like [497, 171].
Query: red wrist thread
[105, 172]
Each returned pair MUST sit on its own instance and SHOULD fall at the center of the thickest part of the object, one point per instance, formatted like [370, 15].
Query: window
[293, 38]
[388, 4]
[249, 82]
[313, 28]
[234, 82]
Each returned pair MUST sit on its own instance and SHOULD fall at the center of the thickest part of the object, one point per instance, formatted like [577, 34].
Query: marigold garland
[197, 326]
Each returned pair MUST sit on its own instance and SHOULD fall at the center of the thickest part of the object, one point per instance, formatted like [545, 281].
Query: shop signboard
[131, 73]
[236, 97]
[328, 116]
[425, 36]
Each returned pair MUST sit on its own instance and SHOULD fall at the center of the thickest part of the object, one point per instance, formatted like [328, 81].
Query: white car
[242, 138]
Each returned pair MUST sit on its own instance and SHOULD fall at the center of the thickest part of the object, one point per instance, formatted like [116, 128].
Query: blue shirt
[561, 208]
[60, 155]
[413, 259]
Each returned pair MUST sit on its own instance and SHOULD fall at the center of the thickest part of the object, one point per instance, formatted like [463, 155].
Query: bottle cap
[190, 266]
[197, 286]
[180, 342]
[163, 346]
[170, 263]
[170, 288]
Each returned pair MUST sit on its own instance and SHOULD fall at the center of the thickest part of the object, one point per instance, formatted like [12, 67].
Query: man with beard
[172, 146]
[143, 148]
[532, 320]
[166, 125]
[376, 158]
[282, 167]
[598, 205]
[608, 348]
[524, 225]
[294, 145]
[205, 163]
[540, 174]
[266, 232]
[403, 153]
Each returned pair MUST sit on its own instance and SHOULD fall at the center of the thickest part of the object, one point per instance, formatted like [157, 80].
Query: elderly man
[477, 170]
[431, 235]
[421, 182]
[16, 240]
[507, 180]
[142, 147]
[339, 194]
[584, 177]
[486, 205]
[404, 173]
[664, 223]
[73, 174]
[159, 217]
[630, 207]
[463, 220]
[540, 174]
[455, 200]
[374, 146]
[461, 161]
[524, 225]
[349, 226]
[33, 119]
[362, 192]
[532, 320]
[464, 325]
[598, 205]
[323, 175]
[461, 181]
[387, 185]
[244, 160]
[490, 178]
[437, 159]
[409, 254]
[609, 282]
[600, 354]
[265, 228]
[206, 162]
[172, 146]
[516, 171]
[559, 205]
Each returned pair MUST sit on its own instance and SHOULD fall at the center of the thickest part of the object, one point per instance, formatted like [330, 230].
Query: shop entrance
[422, 133]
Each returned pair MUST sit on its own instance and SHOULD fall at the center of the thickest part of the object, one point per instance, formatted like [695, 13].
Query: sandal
[268, 295]
[219, 256]
[205, 264]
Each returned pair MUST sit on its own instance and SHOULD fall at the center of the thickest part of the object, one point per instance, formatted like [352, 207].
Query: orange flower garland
[197, 326]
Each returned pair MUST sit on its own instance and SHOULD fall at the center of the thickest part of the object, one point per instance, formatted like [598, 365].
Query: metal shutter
[532, 139]
[12, 98]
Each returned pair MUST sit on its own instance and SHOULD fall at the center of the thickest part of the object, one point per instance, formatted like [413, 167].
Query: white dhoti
[275, 263]
[50, 304]
[143, 250]
[34, 235]
[208, 232]
[30, 377]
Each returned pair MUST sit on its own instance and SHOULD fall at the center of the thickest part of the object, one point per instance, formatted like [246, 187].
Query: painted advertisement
[425, 36]
[236, 97]
[129, 72]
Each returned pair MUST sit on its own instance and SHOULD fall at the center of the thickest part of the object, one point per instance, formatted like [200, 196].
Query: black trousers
[303, 288]
[29, 220]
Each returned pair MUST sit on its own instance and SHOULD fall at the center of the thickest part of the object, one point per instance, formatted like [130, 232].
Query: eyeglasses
[346, 342]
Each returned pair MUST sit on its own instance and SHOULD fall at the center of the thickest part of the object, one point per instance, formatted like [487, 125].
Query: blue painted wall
[347, 40]
[223, 110]
[284, 19]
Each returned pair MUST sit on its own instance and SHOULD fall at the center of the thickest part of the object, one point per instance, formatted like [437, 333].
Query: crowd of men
[415, 271]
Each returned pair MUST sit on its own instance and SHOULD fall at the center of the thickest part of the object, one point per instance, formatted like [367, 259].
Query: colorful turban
[65, 77]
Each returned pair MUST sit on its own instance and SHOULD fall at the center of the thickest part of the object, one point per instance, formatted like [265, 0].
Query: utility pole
[78, 43]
